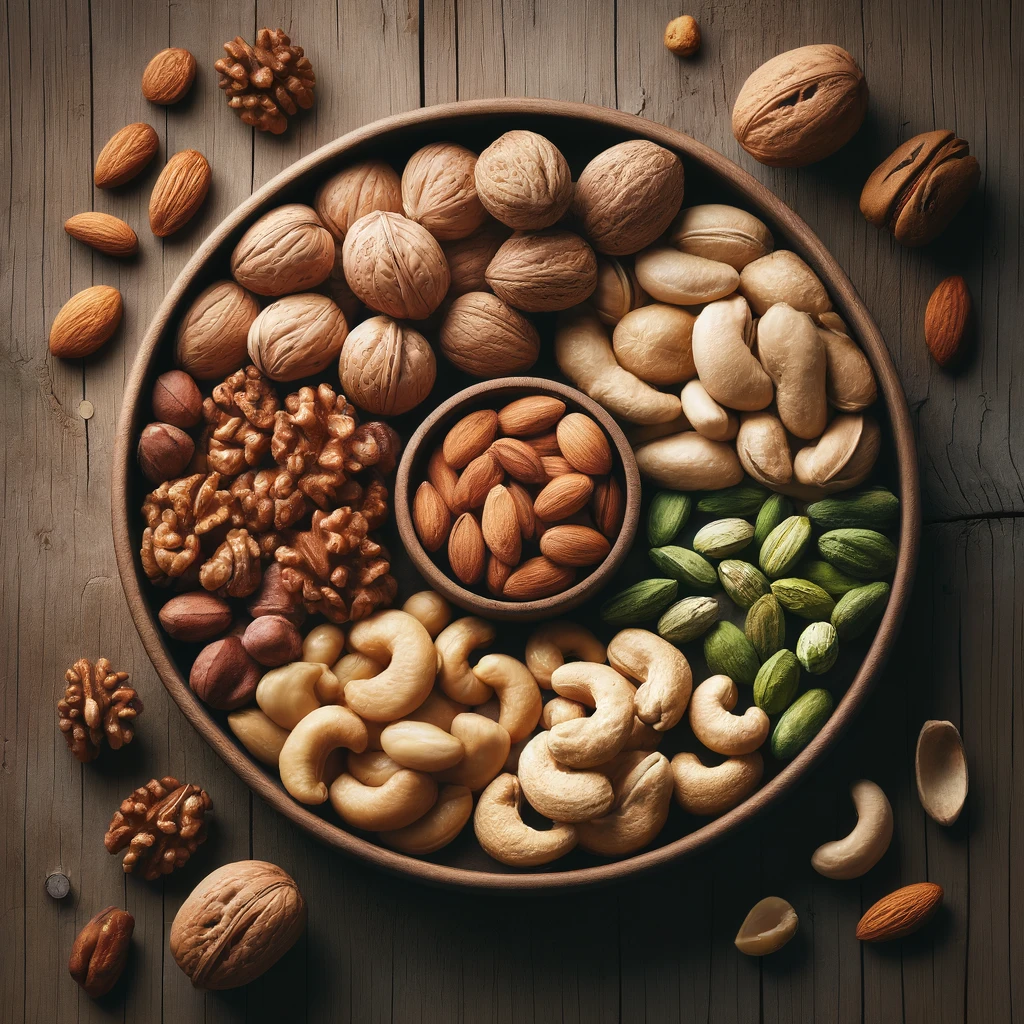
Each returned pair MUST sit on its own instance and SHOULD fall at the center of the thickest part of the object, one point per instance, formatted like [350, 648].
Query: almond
[466, 551]
[477, 479]
[524, 510]
[555, 465]
[103, 232]
[531, 415]
[536, 578]
[178, 192]
[583, 443]
[125, 155]
[497, 573]
[900, 913]
[85, 322]
[430, 516]
[574, 545]
[500, 525]
[608, 507]
[545, 444]
[563, 496]
[519, 460]
[470, 437]
[443, 477]
[946, 320]
[168, 76]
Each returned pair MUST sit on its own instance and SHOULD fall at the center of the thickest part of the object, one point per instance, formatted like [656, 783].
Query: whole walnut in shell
[468, 258]
[628, 195]
[286, 250]
[297, 336]
[541, 271]
[439, 192]
[524, 181]
[395, 266]
[386, 368]
[356, 191]
[212, 335]
[483, 335]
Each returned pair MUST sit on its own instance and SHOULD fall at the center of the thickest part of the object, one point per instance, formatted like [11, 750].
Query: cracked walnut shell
[96, 705]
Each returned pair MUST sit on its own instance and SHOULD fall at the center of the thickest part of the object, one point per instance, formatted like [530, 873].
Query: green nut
[858, 609]
[829, 578]
[639, 603]
[765, 627]
[688, 619]
[866, 554]
[776, 683]
[800, 723]
[744, 499]
[773, 511]
[784, 546]
[723, 537]
[818, 647]
[729, 653]
[875, 508]
[686, 566]
[804, 598]
[743, 582]
[667, 516]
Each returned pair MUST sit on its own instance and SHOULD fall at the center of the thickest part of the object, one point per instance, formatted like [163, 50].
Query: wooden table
[379, 949]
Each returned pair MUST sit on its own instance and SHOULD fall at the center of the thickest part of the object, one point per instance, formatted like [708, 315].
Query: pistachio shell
[844, 454]
[941, 768]
[768, 926]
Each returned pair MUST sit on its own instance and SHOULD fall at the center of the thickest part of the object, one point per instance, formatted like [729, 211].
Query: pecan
[96, 704]
[101, 951]
[240, 420]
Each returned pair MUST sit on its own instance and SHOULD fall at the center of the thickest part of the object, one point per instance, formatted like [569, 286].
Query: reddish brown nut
[164, 451]
[608, 507]
[272, 597]
[224, 676]
[272, 640]
[101, 951]
[177, 399]
[195, 616]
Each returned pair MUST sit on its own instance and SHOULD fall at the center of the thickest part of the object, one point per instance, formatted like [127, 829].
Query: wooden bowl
[492, 394]
[580, 131]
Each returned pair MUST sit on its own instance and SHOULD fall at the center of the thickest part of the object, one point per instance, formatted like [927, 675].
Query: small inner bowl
[412, 470]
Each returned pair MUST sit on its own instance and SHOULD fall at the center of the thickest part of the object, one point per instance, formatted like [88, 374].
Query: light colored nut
[706, 416]
[782, 276]
[286, 250]
[324, 643]
[617, 292]
[724, 233]
[330, 687]
[286, 694]
[438, 710]
[561, 709]
[371, 767]
[849, 379]
[769, 925]
[504, 835]
[654, 342]
[689, 462]
[662, 671]
[356, 191]
[398, 802]
[547, 647]
[558, 792]
[668, 275]
[763, 448]
[727, 368]
[431, 609]
[455, 643]
[437, 828]
[592, 741]
[843, 456]
[439, 192]
[864, 847]
[483, 335]
[713, 791]
[304, 754]
[719, 730]
[297, 336]
[487, 746]
[516, 690]
[259, 735]
[543, 271]
[421, 746]
[643, 737]
[212, 335]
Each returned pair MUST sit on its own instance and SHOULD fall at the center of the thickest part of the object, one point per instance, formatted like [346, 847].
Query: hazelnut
[272, 597]
[272, 640]
[297, 336]
[177, 399]
[483, 335]
[212, 334]
[224, 676]
[286, 250]
[195, 616]
[386, 368]
[468, 258]
[164, 451]
[439, 192]
[355, 192]
[682, 36]
[542, 271]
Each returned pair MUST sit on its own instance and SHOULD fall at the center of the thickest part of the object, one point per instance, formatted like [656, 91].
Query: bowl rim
[846, 299]
[516, 611]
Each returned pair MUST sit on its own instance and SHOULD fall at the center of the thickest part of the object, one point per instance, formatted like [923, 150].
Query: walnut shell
[483, 335]
[628, 195]
[468, 258]
[438, 191]
[541, 271]
[297, 336]
[386, 368]
[286, 250]
[212, 334]
[236, 923]
[337, 288]
[395, 266]
[356, 191]
[524, 181]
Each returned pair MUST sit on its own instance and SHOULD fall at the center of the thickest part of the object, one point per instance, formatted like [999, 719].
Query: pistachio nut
[776, 682]
[817, 647]
[803, 598]
[782, 276]
[667, 515]
[743, 582]
[729, 653]
[688, 619]
[844, 454]
[639, 603]
[723, 537]
[745, 499]
[800, 723]
[784, 546]
[686, 566]
[849, 379]
[793, 355]
[777, 508]
[763, 448]
[866, 554]
[858, 609]
[719, 232]
[765, 626]
[682, 279]
[829, 578]
[617, 291]
[874, 508]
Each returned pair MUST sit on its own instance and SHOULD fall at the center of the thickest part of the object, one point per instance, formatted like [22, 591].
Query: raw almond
[574, 545]
[536, 578]
[477, 479]
[178, 192]
[524, 510]
[497, 573]
[125, 155]
[443, 477]
[470, 437]
[85, 322]
[430, 516]
[519, 460]
[466, 551]
[531, 415]
[583, 443]
[946, 318]
[103, 232]
[608, 507]
[168, 76]
[500, 525]
[544, 444]
[900, 913]
[563, 496]
[555, 465]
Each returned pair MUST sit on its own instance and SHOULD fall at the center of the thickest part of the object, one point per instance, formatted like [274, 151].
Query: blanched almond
[470, 437]
[466, 551]
[524, 510]
[430, 516]
[536, 578]
[101, 231]
[583, 444]
[443, 477]
[477, 479]
[500, 525]
[574, 545]
[563, 496]
[530, 415]
[519, 460]
[125, 155]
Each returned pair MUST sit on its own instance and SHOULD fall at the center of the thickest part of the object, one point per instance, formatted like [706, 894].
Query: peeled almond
[770, 924]
[941, 767]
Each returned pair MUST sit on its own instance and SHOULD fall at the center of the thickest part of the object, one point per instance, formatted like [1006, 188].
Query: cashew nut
[330, 687]
[259, 735]
[643, 737]
[727, 368]
[286, 694]
[504, 835]
[517, 692]
[398, 640]
[844, 454]
[421, 746]
[782, 276]
[713, 791]
[558, 792]
[487, 746]
[637, 436]
[654, 343]
[849, 379]
[643, 791]
[689, 462]
[432, 610]
[660, 668]
[547, 647]
[437, 828]
[489, 709]
[373, 731]
[512, 761]
[588, 742]
[304, 753]
[561, 709]
[454, 644]
[406, 796]
[323, 643]
[682, 278]
[438, 710]
[716, 728]
[708, 418]
[372, 767]
[864, 847]
[763, 448]
[720, 232]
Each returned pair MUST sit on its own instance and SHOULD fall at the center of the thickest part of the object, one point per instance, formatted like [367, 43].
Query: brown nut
[297, 336]
[468, 258]
[179, 192]
[196, 616]
[484, 336]
[212, 335]
[168, 76]
[272, 640]
[438, 191]
[126, 153]
[272, 597]
[618, 292]
[164, 451]
[542, 271]
[682, 36]
[240, 920]
[177, 399]
[101, 951]
[86, 322]
[224, 675]
[947, 320]
[356, 191]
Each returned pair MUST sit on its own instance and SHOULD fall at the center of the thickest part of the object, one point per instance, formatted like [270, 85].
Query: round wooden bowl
[580, 131]
[493, 394]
